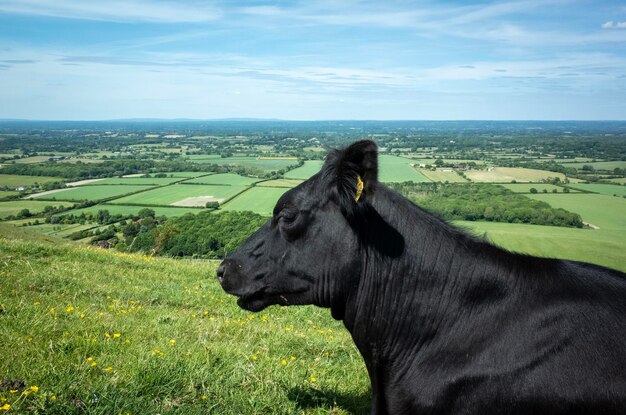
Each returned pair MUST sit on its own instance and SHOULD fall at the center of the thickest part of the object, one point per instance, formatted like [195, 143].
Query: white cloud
[614, 25]
[115, 10]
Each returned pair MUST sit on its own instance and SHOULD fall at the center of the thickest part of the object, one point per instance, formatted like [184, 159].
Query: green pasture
[177, 192]
[619, 180]
[265, 165]
[525, 187]
[600, 165]
[257, 199]
[308, 169]
[12, 207]
[598, 246]
[605, 211]
[442, 175]
[398, 169]
[16, 180]
[158, 181]
[5, 194]
[188, 174]
[280, 183]
[95, 331]
[91, 192]
[132, 210]
[32, 159]
[605, 189]
[229, 179]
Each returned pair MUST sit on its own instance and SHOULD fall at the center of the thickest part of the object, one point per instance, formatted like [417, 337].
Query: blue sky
[304, 60]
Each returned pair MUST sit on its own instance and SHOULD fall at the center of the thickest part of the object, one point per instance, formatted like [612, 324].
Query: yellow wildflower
[109, 369]
[254, 357]
[53, 398]
[106, 334]
[283, 362]
[89, 359]
[69, 309]
[116, 335]
[172, 342]
[93, 364]
[13, 391]
[34, 388]
[203, 397]
[292, 358]
[5, 407]
[36, 303]
[312, 379]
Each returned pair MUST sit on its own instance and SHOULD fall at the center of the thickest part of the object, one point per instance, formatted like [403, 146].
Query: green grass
[131, 210]
[525, 187]
[12, 207]
[94, 193]
[605, 189]
[225, 179]
[398, 169]
[598, 246]
[5, 194]
[257, 199]
[189, 174]
[607, 212]
[15, 180]
[177, 192]
[104, 333]
[160, 181]
[600, 165]
[280, 183]
[308, 169]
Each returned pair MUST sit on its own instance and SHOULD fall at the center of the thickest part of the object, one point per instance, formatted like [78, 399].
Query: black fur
[446, 323]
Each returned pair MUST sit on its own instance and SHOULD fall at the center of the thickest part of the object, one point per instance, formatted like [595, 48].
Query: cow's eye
[287, 216]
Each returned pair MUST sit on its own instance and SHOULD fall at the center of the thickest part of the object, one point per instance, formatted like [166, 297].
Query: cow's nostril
[221, 270]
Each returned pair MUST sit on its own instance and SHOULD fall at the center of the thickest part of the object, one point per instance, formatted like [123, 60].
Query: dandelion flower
[5, 407]
[34, 388]
[53, 398]
[93, 364]
[109, 369]
[89, 359]
[312, 379]
[283, 362]
[203, 397]
[69, 309]
[13, 391]
[116, 335]
[292, 358]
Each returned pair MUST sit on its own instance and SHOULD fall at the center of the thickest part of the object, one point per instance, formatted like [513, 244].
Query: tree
[533, 190]
[146, 212]
[212, 205]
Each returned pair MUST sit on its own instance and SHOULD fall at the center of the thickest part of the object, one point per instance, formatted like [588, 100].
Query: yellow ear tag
[359, 188]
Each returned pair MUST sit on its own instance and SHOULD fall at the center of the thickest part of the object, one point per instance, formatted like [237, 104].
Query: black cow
[446, 322]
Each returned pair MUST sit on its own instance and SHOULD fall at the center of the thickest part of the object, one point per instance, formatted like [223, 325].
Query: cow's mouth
[260, 300]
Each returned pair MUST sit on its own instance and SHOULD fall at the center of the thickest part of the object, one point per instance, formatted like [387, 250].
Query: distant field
[508, 174]
[600, 165]
[525, 187]
[224, 179]
[57, 229]
[131, 210]
[31, 160]
[91, 192]
[607, 212]
[305, 171]
[619, 180]
[280, 183]
[601, 246]
[398, 169]
[4, 194]
[189, 174]
[257, 199]
[177, 192]
[12, 207]
[160, 181]
[15, 180]
[442, 176]
[605, 189]
[265, 165]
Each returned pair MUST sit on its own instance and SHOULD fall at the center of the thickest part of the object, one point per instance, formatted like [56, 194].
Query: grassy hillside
[91, 331]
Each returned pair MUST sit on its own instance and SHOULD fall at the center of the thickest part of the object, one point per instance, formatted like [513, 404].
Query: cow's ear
[357, 172]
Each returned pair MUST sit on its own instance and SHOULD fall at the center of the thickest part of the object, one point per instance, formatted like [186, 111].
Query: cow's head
[309, 252]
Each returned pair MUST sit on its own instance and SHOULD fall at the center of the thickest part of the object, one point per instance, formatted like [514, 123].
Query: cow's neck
[405, 301]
